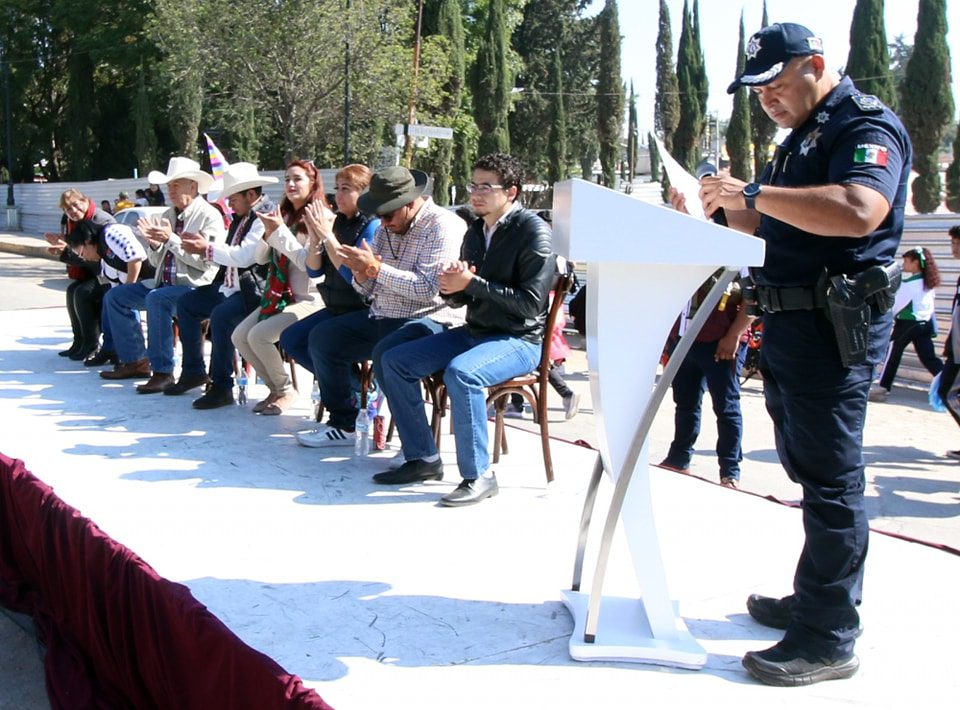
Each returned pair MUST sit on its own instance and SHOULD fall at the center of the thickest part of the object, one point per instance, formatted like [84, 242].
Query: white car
[131, 215]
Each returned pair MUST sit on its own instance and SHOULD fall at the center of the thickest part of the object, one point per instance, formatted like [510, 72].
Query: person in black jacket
[503, 277]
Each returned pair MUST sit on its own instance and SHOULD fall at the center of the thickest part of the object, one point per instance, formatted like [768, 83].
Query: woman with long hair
[84, 294]
[350, 227]
[289, 295]
[915, 319]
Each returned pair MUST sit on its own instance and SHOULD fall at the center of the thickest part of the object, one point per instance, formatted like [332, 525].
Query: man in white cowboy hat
[233, 294]
[177, 272]
[400, 274]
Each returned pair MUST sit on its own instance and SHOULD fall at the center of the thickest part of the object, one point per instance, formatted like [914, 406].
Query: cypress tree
[632, 136]
[666, 108]
[687, 136]
[654, 160]
[492, 83]
[146, 139]
[610, 93]
[557, 148]
[443, 17]
[703, 84]
[738, 132]
[953, 176]
[868, 63]
[762, 129]
[928, 100]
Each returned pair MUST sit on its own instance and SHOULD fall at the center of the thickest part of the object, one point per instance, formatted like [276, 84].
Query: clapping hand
[455, 275]
[271, 221]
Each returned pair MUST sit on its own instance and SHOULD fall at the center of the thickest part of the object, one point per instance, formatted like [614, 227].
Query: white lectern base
[624, 635]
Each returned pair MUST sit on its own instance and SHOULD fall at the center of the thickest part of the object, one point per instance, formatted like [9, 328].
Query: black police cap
[771, 49]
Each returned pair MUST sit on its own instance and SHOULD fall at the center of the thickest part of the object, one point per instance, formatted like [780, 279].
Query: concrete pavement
[912, 489]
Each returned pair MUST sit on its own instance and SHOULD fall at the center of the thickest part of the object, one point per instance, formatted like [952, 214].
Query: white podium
[643, 263]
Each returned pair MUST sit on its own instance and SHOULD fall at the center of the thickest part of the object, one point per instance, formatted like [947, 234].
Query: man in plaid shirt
[400, 274]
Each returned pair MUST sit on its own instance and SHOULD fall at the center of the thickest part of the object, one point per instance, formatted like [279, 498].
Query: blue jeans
[192, 309]
[295, 339]
[471, 365]
[161, 305]
[108, 345]
[818, 408]
[700, 372]
[339, 342]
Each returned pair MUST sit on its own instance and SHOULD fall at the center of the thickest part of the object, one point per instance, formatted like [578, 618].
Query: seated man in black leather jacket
[504, 275]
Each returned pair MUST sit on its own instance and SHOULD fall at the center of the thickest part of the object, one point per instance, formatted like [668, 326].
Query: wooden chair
[533, 387]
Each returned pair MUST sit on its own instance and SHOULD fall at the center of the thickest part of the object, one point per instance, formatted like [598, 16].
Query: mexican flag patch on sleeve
[870, 154]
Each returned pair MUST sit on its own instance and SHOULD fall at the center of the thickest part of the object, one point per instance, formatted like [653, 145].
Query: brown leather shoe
[128, 370]
[159, 382]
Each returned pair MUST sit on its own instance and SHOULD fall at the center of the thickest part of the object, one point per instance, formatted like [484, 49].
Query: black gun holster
[849, 301]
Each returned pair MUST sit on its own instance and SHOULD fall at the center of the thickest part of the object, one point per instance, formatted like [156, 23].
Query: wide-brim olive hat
[392, 188]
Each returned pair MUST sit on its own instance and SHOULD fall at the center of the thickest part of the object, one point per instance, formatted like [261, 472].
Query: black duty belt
[790, 298]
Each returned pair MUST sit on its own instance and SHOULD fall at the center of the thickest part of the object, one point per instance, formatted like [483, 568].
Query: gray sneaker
[571, 405]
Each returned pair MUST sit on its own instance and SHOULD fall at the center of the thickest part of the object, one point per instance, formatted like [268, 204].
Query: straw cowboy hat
[183, 168]
[239, 177]
[391, 189]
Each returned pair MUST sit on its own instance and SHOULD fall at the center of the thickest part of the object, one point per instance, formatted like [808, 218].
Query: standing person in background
[336, 288]
[80, 214]
[830, 208]
[915, 321]
[154, 196]
[951, 351]
[289, 295]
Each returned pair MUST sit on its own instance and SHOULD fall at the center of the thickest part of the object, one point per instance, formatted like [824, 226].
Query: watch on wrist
[372, 270]
[750, 193]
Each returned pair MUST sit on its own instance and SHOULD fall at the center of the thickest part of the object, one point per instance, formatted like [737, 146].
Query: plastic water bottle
[361, 446]
[242, 387]
[315, 393]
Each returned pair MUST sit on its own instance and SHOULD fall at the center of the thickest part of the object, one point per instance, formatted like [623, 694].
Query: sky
[720, 26]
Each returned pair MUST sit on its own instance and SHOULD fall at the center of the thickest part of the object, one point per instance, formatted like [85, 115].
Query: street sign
[418, 130]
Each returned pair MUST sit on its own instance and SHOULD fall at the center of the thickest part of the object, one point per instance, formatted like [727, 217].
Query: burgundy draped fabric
[117, 634]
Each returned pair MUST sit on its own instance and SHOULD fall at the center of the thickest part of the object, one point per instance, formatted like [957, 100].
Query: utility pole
[346, 93]
[412, 109]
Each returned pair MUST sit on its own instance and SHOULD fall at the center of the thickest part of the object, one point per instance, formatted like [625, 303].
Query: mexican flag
[871, 154]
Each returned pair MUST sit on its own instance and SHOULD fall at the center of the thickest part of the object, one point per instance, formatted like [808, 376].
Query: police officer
[830, 208]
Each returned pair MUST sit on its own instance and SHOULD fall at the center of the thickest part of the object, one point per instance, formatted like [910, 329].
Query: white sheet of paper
[685, 183]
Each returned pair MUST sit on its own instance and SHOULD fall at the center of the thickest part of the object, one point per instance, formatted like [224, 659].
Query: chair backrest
[561, 286]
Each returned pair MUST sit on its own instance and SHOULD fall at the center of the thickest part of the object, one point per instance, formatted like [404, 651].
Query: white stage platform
[378, 597]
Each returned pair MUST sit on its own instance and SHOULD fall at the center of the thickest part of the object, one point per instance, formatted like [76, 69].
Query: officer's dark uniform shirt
[849, 138]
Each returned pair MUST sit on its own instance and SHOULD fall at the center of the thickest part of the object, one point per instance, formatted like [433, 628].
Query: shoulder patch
[867, 102]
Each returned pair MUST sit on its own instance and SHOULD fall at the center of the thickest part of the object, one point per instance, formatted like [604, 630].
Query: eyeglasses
[484, 188]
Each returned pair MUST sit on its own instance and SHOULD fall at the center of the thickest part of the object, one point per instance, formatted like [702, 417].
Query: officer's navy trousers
[818, 409]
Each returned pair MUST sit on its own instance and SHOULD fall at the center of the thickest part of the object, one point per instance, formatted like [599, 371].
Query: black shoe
[215, 397]
[785, 665]
[415, 471]
[83, 352]
[471, 491]
[102, 357]
[955, 455]
[187, 383]
[71, 351]
[770, 611]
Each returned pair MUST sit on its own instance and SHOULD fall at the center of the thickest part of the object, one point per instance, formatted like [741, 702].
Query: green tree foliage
[633, 136]
[868, 63]
[654, 160]
[686, 138]
[666, 108]
[557, 147]
[492, 82]
[580, 73]
[953, 176]
[762, 129]
[609, 94]
[444, 18]
[738, 131]
[702, 83]
[927, 105]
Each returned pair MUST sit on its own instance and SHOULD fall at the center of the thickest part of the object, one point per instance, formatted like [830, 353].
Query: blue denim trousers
[225, 313]
[295, 339]
[700, 372]
[161, 306]
[338, 342]
[471, 365]
[192, 309]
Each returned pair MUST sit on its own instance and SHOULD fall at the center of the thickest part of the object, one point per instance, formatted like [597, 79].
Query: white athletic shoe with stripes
[326, 435]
